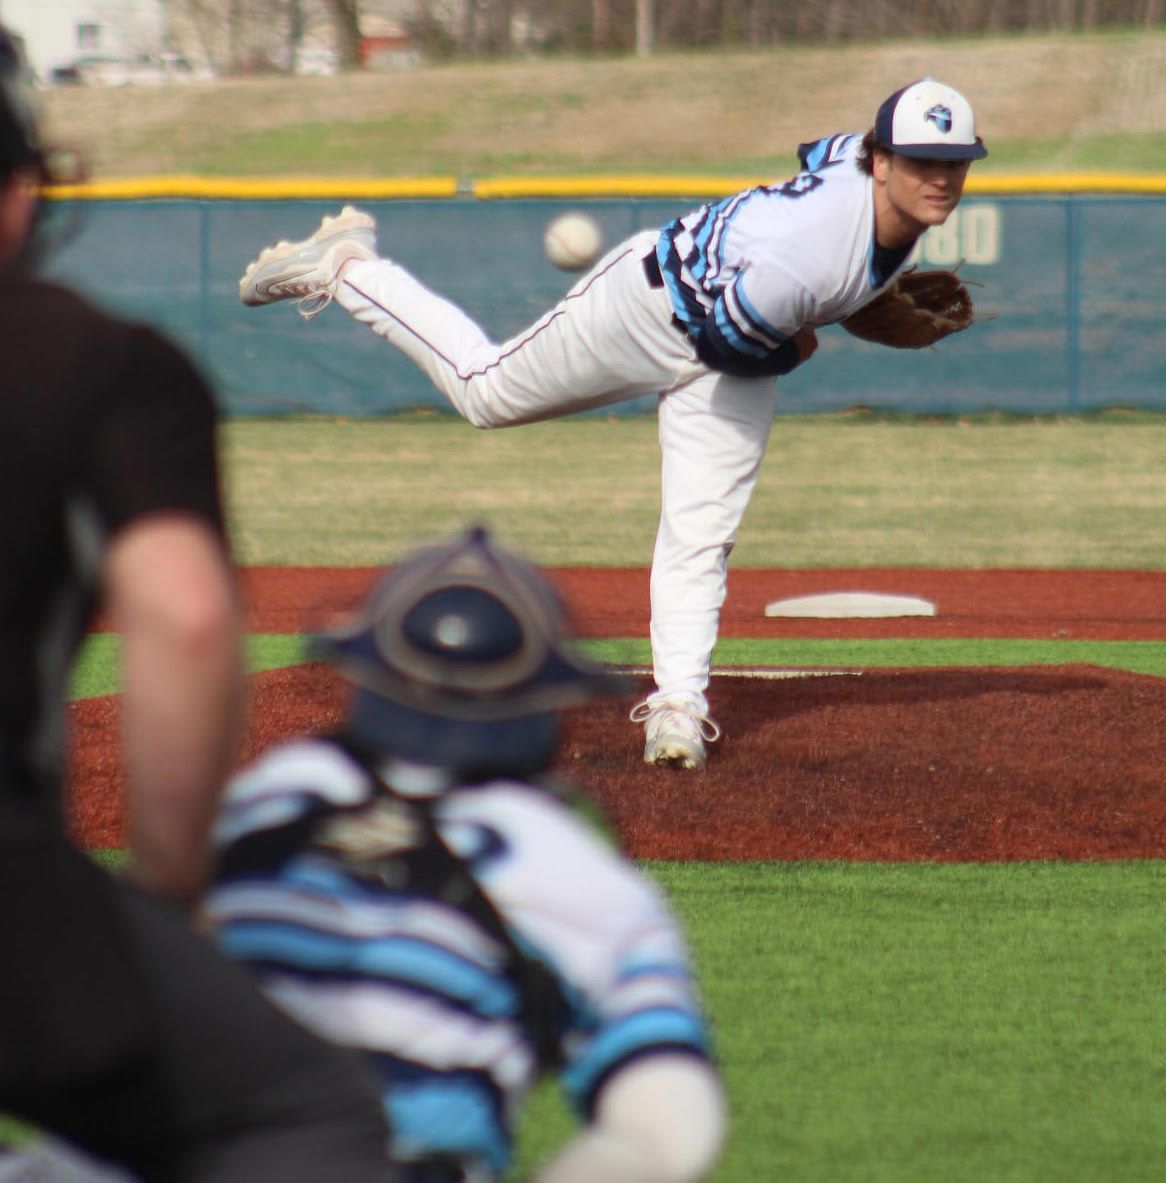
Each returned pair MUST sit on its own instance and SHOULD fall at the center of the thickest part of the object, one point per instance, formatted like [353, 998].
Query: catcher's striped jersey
[420, 985]
[771, 260]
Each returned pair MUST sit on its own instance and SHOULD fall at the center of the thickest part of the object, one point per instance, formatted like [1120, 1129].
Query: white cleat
[307, 270]
[676, 732]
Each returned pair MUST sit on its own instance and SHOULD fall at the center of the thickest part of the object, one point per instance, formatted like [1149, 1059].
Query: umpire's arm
[171, 595]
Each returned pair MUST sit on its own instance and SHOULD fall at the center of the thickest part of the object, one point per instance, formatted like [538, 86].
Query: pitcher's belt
[655, 278]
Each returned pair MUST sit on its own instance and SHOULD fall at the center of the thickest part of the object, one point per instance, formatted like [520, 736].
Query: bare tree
[501, 22]
[202, 20]
[346, 22]
[234, 38]
[433, 32]
[645, 27]
[471, 37]
[264, 34]
[600, 24]
[295, 31]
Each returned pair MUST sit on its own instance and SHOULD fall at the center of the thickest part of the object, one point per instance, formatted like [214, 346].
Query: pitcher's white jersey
[705, 313]
[418, 983]
[777, 258]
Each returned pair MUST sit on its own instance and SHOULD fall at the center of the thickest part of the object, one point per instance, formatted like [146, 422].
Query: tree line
[448, 29]
[612, 25]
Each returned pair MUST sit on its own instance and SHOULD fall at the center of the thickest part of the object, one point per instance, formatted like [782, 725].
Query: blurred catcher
[704, 312]
[413, 887]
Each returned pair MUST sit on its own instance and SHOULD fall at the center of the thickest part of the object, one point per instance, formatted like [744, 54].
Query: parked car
[310, 61]
[179, 68]
[142, 70]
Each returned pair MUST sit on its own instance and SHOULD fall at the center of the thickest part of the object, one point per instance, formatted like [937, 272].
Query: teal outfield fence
[1073, 294]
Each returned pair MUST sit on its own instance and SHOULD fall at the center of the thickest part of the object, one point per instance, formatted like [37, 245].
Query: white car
[144, 70]
[313, 62]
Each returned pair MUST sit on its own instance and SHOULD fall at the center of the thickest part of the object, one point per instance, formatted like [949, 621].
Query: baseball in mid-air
[573, 240]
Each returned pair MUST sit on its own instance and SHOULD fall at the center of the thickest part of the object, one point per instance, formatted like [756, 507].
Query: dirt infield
[939, 764]
[613, 601]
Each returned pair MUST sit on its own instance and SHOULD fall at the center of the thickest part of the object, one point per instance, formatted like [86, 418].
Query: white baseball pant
[611, 338]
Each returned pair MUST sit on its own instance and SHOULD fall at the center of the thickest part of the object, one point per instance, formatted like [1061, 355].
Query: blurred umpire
[413, 886]
[121, 1031]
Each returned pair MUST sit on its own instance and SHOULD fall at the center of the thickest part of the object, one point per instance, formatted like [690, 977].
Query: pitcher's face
[915, 193]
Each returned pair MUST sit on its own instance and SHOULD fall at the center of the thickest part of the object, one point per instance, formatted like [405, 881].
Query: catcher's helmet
[460, 657]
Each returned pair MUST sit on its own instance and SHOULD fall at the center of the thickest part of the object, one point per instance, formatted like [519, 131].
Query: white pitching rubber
[848, 605]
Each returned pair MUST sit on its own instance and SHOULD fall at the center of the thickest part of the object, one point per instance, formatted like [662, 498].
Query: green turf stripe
[1147, 657]
[96, 671]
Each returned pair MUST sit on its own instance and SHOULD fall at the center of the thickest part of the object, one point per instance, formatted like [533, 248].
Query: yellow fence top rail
[131, 188]
[1070, 183]
[719, 186]
[646, 185]
[578, 187]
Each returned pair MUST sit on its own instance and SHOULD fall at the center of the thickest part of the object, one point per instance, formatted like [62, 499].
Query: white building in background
[58, 33]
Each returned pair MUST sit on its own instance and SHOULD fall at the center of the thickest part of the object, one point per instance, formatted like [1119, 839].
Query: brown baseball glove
[918, 309]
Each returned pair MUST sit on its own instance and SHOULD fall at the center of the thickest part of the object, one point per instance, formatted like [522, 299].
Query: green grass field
[881, 1022]
[848, 490]
[874, 1021]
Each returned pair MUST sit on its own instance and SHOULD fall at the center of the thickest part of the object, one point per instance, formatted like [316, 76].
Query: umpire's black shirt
[101, 422]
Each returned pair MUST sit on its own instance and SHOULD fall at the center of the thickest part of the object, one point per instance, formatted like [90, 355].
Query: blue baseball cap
[929, 121]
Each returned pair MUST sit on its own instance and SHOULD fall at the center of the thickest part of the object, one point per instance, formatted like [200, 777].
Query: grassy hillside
[1047, 103]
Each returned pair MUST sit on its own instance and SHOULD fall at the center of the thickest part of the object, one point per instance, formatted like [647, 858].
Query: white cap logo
[931, 121]
[940, 116]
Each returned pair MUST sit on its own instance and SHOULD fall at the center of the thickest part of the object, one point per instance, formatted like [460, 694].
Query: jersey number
[798, 186]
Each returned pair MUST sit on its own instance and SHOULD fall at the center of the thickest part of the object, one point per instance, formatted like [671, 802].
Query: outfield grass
[888, 1023]
[852, 490]
[891, 1022]
[875, 1022]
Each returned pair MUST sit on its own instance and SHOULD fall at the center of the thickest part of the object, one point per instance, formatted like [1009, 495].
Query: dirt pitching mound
[979, 764]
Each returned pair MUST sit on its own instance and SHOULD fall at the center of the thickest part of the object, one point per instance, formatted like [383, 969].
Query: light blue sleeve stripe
[732, 332]
[394, 959]
[698, 266]
[671, 970]
[817, 154]
[634, 1033]
[758, 321]
[444, 1116]
[320, 876]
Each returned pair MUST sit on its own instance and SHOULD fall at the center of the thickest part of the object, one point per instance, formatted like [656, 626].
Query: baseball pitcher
[706, 312]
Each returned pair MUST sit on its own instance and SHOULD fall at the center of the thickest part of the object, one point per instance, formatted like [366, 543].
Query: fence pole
[204, 282]
[1073, 300]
